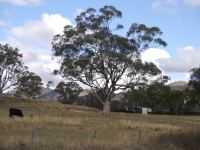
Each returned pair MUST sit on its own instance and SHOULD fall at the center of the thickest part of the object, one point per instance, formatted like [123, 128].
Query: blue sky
[31, 24]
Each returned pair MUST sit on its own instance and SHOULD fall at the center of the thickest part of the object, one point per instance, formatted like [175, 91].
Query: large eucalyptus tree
[11, 67]
[93, 53]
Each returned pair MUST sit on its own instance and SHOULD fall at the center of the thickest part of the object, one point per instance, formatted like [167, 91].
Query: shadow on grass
[179, 140]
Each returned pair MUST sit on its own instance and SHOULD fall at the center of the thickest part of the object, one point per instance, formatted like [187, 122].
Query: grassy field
[49, 125]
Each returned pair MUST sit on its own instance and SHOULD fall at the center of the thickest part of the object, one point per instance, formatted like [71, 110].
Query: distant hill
[179, 85]
[49, 94]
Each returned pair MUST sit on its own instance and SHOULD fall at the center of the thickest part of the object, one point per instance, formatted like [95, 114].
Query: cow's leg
[10, 115]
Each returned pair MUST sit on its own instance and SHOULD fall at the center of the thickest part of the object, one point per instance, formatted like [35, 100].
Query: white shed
[144, 110]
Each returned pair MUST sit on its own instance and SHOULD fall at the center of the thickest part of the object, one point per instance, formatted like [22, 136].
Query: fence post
[34, 135]
[140, 132]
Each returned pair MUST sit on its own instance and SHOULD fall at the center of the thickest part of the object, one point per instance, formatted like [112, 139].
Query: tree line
[95, 54]
[163, 99]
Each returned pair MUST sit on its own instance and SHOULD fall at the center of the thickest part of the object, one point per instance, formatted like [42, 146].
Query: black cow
[15, 112]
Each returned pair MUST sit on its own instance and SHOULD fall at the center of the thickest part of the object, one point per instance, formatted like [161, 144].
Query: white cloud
[40, 31]
[187, 58]
[34, 41]
[176, 67]
[38, 60]
[22, 2]
[44, 66]
[154, 54]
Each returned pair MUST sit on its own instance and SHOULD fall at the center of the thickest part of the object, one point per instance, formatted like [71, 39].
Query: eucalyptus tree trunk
[0, 96]
[106, 108]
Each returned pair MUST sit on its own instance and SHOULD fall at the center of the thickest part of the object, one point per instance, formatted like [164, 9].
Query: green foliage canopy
[29, 85]
[11, 67]
[195, 84]
[68, 92]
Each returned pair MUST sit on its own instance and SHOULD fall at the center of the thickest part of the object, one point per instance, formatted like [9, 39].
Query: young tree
[94, 54]
[137, 97]
[175, 102]
[29, 85]
[69, 92]
[158, 95]
[11, 67]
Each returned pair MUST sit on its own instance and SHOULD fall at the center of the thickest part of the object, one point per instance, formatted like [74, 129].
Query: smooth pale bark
[1, 95]
[0, 98]
[106, 108]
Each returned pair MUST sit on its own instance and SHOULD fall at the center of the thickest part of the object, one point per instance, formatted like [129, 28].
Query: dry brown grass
[58, 127]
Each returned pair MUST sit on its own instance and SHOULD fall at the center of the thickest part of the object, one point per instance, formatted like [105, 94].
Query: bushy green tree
[68, 92]
[176, 101]
[158, 94]
[195, 86]
[29, 85]
[195, 79]
[94, 54]
[136, 97]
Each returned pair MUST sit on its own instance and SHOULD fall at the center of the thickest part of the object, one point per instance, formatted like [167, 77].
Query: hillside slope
[179, 85]
[48, 94]
[8, 101]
